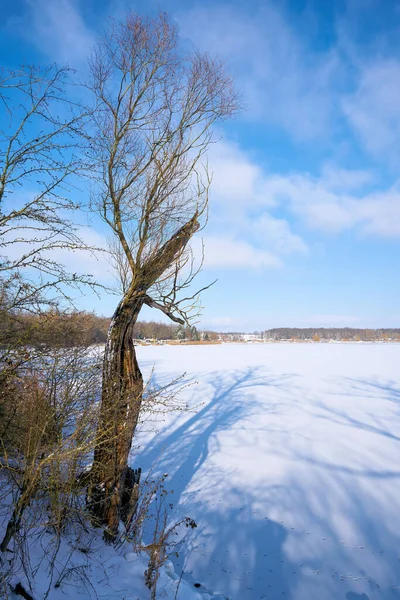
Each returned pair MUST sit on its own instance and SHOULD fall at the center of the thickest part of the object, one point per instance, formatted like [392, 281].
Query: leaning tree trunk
[120, 406]
[113, 484]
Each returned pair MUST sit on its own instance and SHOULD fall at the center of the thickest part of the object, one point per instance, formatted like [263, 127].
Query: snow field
[290, 467]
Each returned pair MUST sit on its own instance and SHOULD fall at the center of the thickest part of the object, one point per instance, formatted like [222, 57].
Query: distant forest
[80, 328]
[331, 333]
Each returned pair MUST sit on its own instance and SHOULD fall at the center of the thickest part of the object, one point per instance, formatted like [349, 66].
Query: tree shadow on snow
[354, 490]
[236, 549]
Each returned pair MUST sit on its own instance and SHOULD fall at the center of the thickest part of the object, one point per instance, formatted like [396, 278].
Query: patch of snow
[290, 467]
[92, 569]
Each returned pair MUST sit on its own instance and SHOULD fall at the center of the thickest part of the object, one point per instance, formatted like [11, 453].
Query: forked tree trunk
[113, 484]
[120, 406]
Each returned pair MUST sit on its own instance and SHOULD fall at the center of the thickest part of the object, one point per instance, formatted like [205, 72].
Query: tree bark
[122, 391]
[120, 406]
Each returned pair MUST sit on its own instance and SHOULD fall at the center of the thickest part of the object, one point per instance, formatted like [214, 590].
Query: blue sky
[304, 224]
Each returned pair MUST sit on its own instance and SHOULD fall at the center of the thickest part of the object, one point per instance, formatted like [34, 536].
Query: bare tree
[41, 154]
[40, 159]
[156, 106]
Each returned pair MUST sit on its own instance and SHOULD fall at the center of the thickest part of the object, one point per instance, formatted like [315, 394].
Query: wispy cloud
[276, 234]
[245, 196]
[238, 180]
[282, 80]
[241, 204]
[59, 30]
[223, 252]
[93, 261]
[248, 202]
[373, 109]
[323, 208]
[294, 85]
[338, 179]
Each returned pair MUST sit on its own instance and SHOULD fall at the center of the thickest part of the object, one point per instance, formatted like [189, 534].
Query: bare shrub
[151, 522]
[49, 409]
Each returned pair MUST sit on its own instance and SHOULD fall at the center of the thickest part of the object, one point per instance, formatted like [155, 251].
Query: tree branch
[164, 256]
[153, 304]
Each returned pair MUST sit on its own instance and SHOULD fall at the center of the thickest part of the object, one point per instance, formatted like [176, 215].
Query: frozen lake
[290, 466]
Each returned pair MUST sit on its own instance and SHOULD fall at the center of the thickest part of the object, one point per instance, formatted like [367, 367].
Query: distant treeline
[80, 328]
[52, 328]
[153, 330]
[331, 333]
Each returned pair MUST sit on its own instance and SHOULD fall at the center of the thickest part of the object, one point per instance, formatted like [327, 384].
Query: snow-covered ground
[290, 467]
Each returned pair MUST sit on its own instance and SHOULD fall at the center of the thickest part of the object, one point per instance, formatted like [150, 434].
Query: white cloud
[237, 180]
[80, 261]
[244, 194]
[93, 263]
[281, 79]
[310, 92]
[58, 29]
[276, 234]
[228, 253]
[373, 109]
[322, 208]
[240, 201]
[284, 80]
[338, 179]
